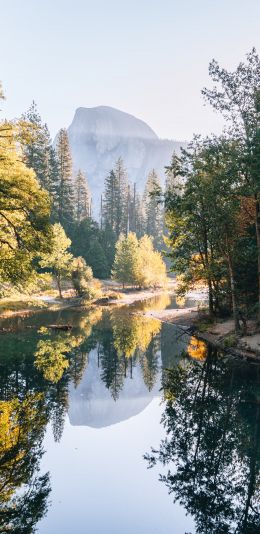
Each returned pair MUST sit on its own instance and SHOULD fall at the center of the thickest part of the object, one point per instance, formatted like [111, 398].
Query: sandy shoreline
[220, 334]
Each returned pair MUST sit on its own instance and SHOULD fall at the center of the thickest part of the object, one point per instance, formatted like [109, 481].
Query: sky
[146, 57]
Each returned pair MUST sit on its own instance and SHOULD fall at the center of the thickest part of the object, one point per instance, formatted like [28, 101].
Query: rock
[99, 136]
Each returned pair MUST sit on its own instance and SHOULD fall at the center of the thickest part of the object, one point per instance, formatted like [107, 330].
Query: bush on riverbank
[137, 263]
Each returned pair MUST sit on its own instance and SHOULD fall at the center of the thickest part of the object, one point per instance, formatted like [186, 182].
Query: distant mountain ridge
[99, 136]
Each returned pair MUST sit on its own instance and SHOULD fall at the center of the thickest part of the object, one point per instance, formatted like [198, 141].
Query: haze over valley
[99, 136]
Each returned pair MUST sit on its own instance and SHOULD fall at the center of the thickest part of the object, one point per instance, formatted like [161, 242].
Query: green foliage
[126, 264]
[66, 197]
[40, 155]
[24, 212]
[236, 96]
[153, 216]
[210, 454]
[116, 199]
[21, 432]
[151, 269]
[82, 278]
[82, 197]
[94, 245]
[137, 263]
[59, 260]
[50, 358]
[230, 341]
[81, 274]
[209, 221]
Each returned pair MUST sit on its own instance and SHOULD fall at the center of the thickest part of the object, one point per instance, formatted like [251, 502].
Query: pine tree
[122, 201]
[173, 177]
[82, 197]
[150, 364]
[109, 202]
[116, 200]
[153, 208]
[139, 216]
[40, 156]
[54, 183]
[66, 187]
[111, 365]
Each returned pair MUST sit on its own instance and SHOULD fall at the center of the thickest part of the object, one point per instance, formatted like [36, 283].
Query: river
[124, 424]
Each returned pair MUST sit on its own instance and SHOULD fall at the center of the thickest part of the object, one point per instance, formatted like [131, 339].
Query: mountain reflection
[107, 356]
[212, 448]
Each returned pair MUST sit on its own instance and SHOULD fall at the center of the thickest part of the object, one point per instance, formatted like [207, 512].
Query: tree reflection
[150, 363]
[35, 370]
[123, 340]
[22, 426]
[50, 353]
[212, 421]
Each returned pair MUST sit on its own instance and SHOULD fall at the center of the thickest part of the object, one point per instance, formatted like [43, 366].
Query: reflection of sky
[101, 484]
[91, 403]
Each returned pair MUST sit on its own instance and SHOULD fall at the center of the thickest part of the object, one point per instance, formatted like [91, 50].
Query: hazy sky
[147, 57]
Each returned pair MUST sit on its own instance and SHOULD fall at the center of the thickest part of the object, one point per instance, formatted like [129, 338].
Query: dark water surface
[84, 413]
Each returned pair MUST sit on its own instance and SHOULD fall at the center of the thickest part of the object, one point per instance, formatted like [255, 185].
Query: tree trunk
[211, 303]
[257, 227]
[208, 269]
[59, 286]
[233, 293]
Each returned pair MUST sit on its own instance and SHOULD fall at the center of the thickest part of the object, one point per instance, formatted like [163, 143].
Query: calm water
[124, 425]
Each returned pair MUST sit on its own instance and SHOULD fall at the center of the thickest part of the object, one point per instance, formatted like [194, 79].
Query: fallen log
[60, 326]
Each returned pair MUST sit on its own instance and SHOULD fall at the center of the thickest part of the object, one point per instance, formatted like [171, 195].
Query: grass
[230, 341]
[8, 306]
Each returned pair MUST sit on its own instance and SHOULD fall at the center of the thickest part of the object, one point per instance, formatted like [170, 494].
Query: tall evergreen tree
[40, 155]
[122, 199]
[66, 187]
[54, 183]
[116, 199]
[82, 197]
[139, 216]
[109, 202]
[153, 208]
[173, 175]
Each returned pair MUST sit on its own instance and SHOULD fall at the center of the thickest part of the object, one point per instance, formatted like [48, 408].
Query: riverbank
[190, 318]
[28, 305]
[112, 294]
[220, 333]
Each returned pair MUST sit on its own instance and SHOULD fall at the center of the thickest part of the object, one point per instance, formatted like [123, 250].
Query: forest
[46, 223]
[212, 203]
[205, 220]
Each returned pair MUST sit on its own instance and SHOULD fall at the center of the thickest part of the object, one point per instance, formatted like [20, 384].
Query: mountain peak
[99, 136]
[105, 121]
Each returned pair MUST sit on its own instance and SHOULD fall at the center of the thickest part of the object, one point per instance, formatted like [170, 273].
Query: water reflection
[212, 448]
[108, 368]
[40, 367]
[22, 424]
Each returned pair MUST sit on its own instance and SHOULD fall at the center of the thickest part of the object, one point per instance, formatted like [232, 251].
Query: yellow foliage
[24, 210]
[17, 420]
[50, 355]
[157, 303]
[132, 332]
[87, 322]
[197, 349]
